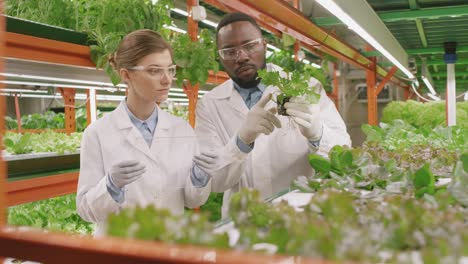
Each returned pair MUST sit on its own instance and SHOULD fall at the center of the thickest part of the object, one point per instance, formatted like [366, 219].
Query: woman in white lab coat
[138, 154]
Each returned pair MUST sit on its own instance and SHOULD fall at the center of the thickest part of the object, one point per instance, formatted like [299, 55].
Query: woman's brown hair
[135, 46]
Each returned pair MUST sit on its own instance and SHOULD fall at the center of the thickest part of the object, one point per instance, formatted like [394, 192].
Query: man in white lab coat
[243, 142]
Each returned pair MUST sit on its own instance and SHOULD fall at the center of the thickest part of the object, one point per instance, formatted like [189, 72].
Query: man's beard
[248, 84]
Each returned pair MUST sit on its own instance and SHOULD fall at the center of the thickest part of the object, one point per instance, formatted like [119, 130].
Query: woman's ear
[124, 74]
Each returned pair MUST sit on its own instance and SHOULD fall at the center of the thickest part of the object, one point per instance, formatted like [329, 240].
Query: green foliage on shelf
[423, 115]
[58, 214]
[47, 141]
[105, 21]
[58, 13]
[399, 135]
[180, 111]
[412, 147]
[50, 120]
[158, 224]
[345, 226]
[195, 59]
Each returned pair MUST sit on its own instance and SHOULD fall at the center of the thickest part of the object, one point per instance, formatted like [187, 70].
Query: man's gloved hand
[307, 116]
[126, 172]
[259, 121]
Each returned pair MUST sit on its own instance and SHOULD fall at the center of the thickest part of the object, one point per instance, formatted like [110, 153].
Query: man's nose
[242, 56]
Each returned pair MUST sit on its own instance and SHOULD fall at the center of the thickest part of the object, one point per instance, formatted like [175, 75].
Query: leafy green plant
[296, 84]
[18, 144]
[11, 123]
[109, 21]
[194, 58]
[58, 214]
[424, 181]
[284, 59]
[41, 121]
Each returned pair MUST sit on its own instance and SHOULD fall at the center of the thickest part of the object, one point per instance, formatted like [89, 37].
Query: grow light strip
[54, 85]
[53, 79]
[176, 29]
[12, 90]
[336, 10]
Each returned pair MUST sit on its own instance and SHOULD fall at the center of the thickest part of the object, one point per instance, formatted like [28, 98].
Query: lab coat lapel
[131, 134]
[236, 101]
[162, 136]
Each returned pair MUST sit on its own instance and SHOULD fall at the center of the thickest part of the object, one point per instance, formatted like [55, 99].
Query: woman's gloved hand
[126, 172]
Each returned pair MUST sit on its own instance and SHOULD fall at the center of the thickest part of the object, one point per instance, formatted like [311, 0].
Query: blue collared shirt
[147, 127]
[251, 96]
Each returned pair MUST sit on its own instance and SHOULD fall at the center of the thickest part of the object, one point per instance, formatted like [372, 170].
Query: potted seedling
[296, 85]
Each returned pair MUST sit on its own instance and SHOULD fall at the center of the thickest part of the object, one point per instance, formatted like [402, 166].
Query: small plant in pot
[296, 85]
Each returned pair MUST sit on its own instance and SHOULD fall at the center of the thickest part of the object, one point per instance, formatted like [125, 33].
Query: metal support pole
[3, 171]
[371, 90]
[192, 89]
[335, 95]
[407, 94]
[92, 104]
[450, 58]
[18, 113]
[192, 93]
[88, 109]
[68, 95]
[451, 96]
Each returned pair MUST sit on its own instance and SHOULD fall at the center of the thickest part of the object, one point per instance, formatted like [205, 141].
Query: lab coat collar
[134, 137]
[123, 120]
[223, 91]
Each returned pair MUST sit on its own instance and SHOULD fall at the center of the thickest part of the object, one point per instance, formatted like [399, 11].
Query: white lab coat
[277, 159]
[166, 182]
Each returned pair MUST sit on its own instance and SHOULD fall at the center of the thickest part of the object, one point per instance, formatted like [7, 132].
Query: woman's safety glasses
[155, 71]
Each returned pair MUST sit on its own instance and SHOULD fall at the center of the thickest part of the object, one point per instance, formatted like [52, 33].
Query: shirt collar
[151, 121]
[245, 92]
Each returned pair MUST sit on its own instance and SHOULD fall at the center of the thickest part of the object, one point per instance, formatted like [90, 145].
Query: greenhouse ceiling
[421, 27]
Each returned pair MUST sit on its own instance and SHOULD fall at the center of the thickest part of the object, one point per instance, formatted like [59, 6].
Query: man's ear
[124, 74]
